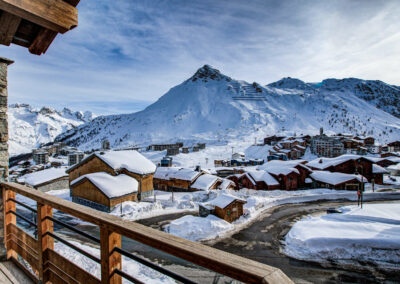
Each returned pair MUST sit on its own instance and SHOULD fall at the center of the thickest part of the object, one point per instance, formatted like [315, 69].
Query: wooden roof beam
[55, 15]
[8, 26]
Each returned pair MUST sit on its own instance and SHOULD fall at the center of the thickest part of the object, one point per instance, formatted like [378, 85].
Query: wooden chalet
[175, 179]
[104, 191]
[350, 164]
[291, 175]
[227, 207]
[271, 140]
[394, 146]
[258, 180]
[206, 182]
[335, 180]
[128, 162]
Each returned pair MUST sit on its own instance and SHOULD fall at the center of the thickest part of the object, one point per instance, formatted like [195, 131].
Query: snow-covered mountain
[211, 106]
[29, 127]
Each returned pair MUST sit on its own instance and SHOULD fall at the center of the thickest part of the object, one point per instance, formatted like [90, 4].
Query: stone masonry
[3, 142]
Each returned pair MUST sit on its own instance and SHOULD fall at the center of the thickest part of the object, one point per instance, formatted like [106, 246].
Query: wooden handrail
[233, 266]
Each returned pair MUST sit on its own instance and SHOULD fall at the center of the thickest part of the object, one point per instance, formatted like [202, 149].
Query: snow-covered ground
[201, 229]
[370, 234]
[139, 271]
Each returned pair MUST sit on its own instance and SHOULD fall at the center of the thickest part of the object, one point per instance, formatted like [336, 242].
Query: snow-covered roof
[224, 200]
[323, 163]
[186, 174]
[263, 176]
[226, 183]
[277, 167]
[43, 176]
[130, 160]
[335, 178]
[111, 186]
[394, 167]
[376, 169]
[205, 182]
[168, 173]
[165, 172]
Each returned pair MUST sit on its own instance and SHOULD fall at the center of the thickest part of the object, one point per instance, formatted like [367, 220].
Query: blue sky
[124, 55]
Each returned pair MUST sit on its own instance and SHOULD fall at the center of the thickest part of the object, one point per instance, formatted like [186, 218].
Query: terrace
[29, 243]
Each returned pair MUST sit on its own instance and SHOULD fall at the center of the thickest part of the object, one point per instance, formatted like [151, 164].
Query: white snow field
[370, 234]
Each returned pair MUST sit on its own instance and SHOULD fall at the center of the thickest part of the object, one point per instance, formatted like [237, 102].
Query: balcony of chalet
[34, 225]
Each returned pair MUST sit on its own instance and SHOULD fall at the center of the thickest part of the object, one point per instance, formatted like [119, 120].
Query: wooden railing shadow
[49, 266]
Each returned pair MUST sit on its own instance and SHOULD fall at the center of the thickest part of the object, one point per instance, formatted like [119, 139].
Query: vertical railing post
[9, 218]
[110, 260]
[44, 240]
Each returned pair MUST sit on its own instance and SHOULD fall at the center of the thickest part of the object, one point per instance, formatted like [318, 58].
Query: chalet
[377, 174]
[337, 180]
[227, 184]
[103, 191]
[45, 180]
[394, 170]
[350, 164]
[206, 182]
[299, 165]
[286, 176]
[172, 151]
[369, 141]
[185, 150]
[394, 146]
[131, 163]
[258, 180]
[202, 146]
[272, 140]
[175, 179]
[226, 207]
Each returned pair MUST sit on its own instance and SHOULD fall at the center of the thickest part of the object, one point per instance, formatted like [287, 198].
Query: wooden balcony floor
[12, 274]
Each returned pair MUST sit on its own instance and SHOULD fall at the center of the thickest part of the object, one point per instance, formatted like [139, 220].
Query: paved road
[261, 241]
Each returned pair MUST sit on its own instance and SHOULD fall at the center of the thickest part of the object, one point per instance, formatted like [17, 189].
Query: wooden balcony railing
[49, 266]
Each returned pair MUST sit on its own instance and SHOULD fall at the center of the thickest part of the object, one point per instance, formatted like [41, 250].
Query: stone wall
[3, 141]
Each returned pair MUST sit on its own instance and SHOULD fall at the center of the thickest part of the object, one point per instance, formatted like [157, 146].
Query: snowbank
[371, 234]
[195, 228]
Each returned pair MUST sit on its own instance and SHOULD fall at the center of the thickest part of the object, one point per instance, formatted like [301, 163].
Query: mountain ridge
[211, 106]
[30, 127]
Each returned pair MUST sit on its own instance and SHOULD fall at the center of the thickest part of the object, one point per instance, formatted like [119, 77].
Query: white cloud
[130, 51]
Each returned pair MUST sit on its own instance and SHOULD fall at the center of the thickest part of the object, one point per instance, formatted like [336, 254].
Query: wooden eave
[35, 24]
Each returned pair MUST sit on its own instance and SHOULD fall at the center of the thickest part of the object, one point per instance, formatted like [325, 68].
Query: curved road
[261, 241]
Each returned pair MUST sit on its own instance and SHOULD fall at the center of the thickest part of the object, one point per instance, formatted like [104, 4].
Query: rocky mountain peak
[207, 72]
[291, 83]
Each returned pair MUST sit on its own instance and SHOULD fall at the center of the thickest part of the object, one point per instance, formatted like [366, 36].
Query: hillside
[211, 106]
[29, 127]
